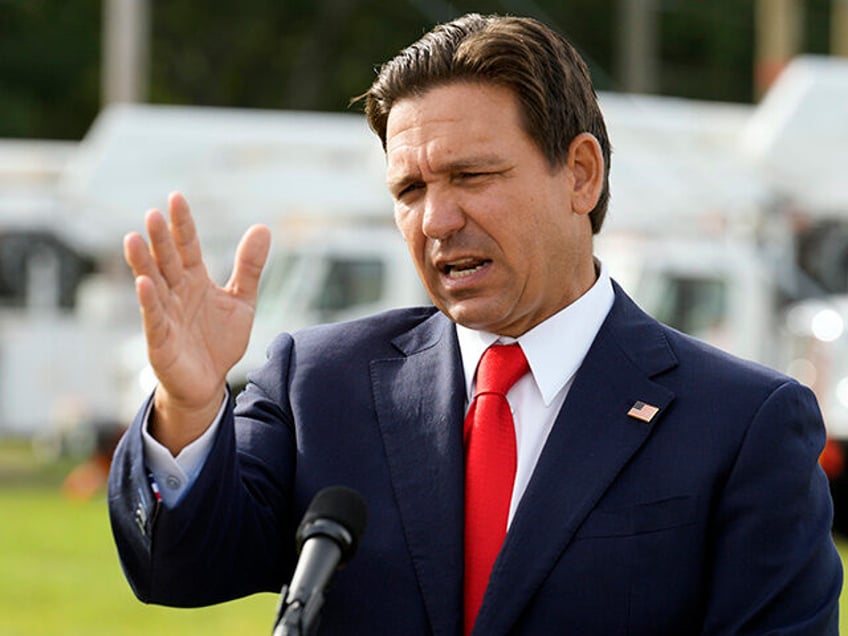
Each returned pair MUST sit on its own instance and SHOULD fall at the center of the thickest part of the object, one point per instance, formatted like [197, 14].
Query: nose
[443, 216]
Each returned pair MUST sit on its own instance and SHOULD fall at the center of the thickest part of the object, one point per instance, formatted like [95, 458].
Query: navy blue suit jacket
[713, 518]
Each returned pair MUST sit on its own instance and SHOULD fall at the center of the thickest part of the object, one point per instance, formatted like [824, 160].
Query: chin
[473, 320]
[475, 313]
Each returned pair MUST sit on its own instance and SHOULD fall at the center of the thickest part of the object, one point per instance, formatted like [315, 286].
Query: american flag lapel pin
[643, 411]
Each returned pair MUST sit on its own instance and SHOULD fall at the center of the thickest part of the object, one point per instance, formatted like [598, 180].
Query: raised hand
[195, 330]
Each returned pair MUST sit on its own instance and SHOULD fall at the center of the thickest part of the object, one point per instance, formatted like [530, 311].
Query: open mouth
[465, 267]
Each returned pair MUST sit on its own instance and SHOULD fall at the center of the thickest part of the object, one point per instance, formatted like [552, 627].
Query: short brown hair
[544, 71]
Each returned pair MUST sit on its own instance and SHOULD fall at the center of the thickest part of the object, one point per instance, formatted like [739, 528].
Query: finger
[137, 255]
[153, 318]
[135, 252]
[163, 248]
[251, 254]
[184, 231]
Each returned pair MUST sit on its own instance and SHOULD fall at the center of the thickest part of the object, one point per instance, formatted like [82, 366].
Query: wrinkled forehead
[452, 122]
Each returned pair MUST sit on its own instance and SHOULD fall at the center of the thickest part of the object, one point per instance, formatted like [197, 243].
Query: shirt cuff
[173, 476]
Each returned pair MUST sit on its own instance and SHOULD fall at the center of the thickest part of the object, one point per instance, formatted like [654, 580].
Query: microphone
[327, 538]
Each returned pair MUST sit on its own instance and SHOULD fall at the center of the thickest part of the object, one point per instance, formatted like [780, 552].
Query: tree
[317, 54]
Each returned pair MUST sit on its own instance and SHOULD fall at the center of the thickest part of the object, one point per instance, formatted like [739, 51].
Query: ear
[586, 165]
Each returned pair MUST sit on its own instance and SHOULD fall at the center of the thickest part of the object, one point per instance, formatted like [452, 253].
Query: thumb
[251, 254]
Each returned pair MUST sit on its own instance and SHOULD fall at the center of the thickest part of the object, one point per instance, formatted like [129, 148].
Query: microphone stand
[296, 619]
[326, 539]
[301, 601]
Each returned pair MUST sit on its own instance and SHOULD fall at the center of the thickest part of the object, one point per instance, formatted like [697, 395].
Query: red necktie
[490, 459]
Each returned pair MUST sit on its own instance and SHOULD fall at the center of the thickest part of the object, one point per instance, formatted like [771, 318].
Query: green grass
[61, 576]
[59, 573]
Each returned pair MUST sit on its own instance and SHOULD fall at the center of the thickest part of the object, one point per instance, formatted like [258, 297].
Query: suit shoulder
[657, 348]
[372, 333]
[717, 366]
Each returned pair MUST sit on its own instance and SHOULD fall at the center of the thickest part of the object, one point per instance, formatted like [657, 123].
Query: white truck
[56, 365]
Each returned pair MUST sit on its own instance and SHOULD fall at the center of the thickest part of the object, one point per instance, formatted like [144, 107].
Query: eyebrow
[480, 161]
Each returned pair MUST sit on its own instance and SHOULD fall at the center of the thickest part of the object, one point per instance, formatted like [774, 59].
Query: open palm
[195, 330]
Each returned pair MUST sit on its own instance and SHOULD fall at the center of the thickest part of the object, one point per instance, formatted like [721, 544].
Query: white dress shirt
[554, 350]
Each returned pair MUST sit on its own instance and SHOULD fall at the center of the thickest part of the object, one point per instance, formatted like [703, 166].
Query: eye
[409, 188]
[472, 177]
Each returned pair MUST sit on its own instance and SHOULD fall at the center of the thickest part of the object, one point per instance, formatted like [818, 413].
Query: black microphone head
[337, 512]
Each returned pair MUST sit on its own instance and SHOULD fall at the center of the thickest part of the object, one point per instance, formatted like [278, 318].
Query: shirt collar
[554, 348]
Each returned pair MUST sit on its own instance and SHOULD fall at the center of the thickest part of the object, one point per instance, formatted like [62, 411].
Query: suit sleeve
[775, 567]
[228, 535]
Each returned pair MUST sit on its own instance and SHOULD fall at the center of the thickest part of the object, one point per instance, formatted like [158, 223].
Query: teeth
[454, 271]
[462, 273]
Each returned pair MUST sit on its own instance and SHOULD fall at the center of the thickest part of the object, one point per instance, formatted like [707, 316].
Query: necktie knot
[500, 367]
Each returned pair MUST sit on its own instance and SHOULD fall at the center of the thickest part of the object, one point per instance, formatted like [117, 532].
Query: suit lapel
[592, 440]
[420, 400]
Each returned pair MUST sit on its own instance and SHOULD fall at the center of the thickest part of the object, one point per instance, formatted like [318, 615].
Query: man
[658, 486]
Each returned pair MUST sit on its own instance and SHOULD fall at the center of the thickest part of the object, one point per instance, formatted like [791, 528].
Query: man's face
[491, 227]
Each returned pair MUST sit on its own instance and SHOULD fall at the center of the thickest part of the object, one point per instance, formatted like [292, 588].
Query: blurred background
[729, 217]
